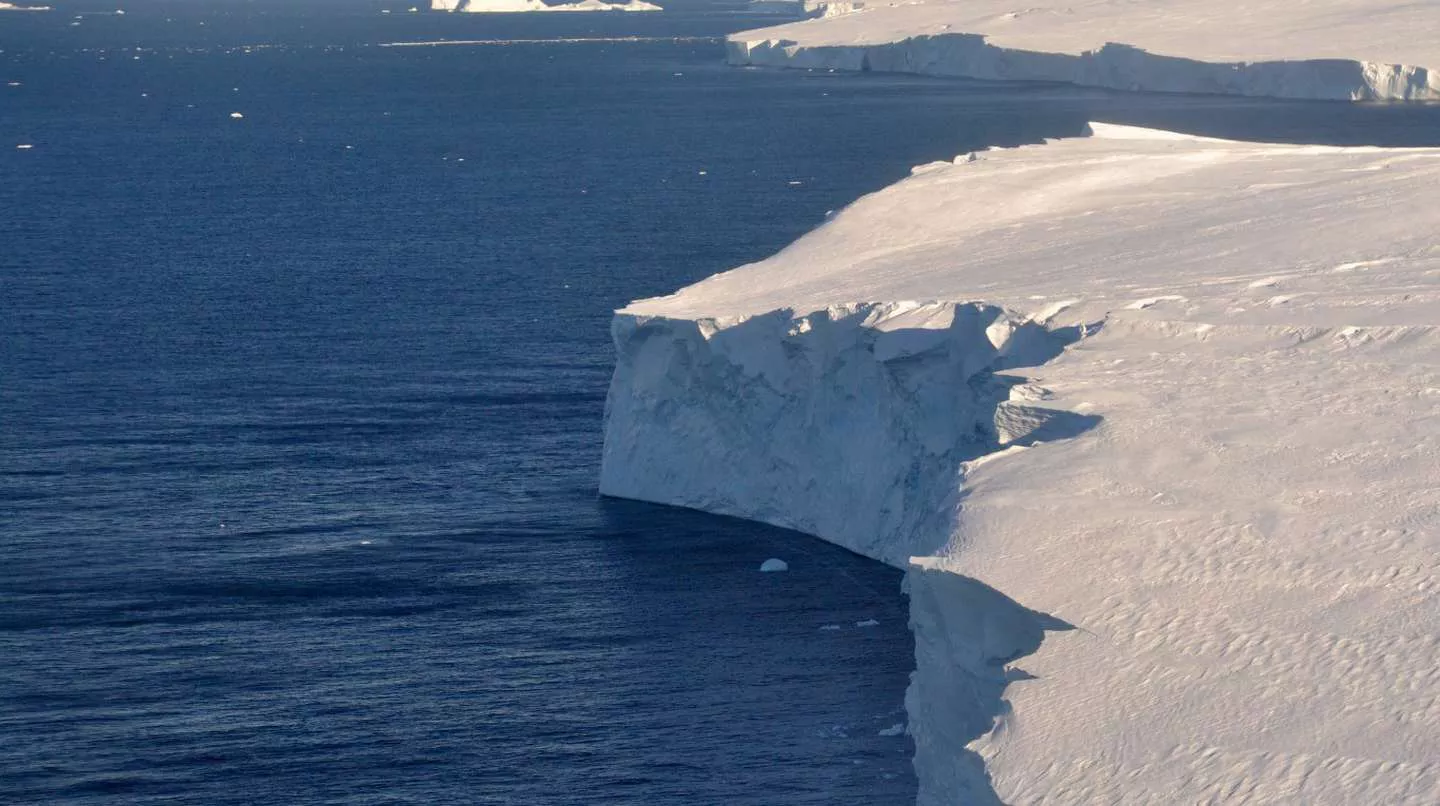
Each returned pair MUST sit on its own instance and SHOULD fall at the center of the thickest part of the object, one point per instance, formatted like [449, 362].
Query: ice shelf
[1323, 49]
[1152, 422]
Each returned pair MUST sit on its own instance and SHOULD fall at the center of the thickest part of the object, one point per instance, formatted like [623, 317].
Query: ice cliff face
[1112, 66]
[854, 422]
[850, 422]
[1324, 49]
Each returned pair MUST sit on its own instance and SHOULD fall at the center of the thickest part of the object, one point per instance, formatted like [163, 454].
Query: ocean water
[300, 412]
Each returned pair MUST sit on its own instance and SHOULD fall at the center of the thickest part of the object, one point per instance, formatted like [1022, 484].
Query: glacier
[1319, 49]
[1152, 423]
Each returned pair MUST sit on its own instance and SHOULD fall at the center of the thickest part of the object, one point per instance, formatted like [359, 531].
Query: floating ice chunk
[794, 182]
[829, 627]
[869, 622]
[896, 729]
[771, 565]
[24, 147]
[236, 116]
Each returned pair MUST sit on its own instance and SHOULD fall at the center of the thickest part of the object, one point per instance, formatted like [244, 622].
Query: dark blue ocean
[300, 412]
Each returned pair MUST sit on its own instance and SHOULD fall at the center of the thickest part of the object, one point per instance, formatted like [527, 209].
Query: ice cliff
[1152, 422]
[1330, 49]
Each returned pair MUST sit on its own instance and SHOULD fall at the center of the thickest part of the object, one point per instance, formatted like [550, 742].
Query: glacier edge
[853, 423]
[1113, 66]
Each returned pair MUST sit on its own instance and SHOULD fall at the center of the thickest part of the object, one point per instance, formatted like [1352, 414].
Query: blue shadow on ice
[973, 635]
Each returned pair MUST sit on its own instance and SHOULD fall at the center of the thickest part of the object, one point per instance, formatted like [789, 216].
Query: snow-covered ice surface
[1159, 446]
[1336, 49]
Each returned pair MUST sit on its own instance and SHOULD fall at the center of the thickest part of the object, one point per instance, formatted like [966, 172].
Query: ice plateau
[1333, 49]
[1151, 421]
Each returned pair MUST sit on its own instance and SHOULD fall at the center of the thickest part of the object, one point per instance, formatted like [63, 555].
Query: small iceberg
[531, 6]
[772, 565]
[896, 729]
[236, 116]
[869, 622]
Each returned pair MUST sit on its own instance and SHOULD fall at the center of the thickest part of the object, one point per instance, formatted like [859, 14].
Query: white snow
[529, 6]
[1055, 385]
[772, 565]
[236, 116]
[13, 7]
[1337, 49]
[804, 8]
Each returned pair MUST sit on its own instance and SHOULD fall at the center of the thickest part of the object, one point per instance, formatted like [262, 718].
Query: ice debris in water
[869, 622]
[894, 730]
[830, 626]
[774, 564]
[236, 116]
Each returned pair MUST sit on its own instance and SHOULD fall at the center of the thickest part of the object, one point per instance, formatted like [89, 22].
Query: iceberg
[529, 6]
[12, 7]
[1151, 422]
[804, 8]
[1323, 49]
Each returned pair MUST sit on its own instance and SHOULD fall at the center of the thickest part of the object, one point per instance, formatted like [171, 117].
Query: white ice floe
[1338, 49]
[236, 116]
[772, 565]
[14, 7]
[869, 622]
[1054, 385]
[897, 729]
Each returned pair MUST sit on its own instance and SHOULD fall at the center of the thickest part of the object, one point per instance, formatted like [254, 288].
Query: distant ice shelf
[804, 8]
[529, 6]
[1320, 49]
[1151, 421]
